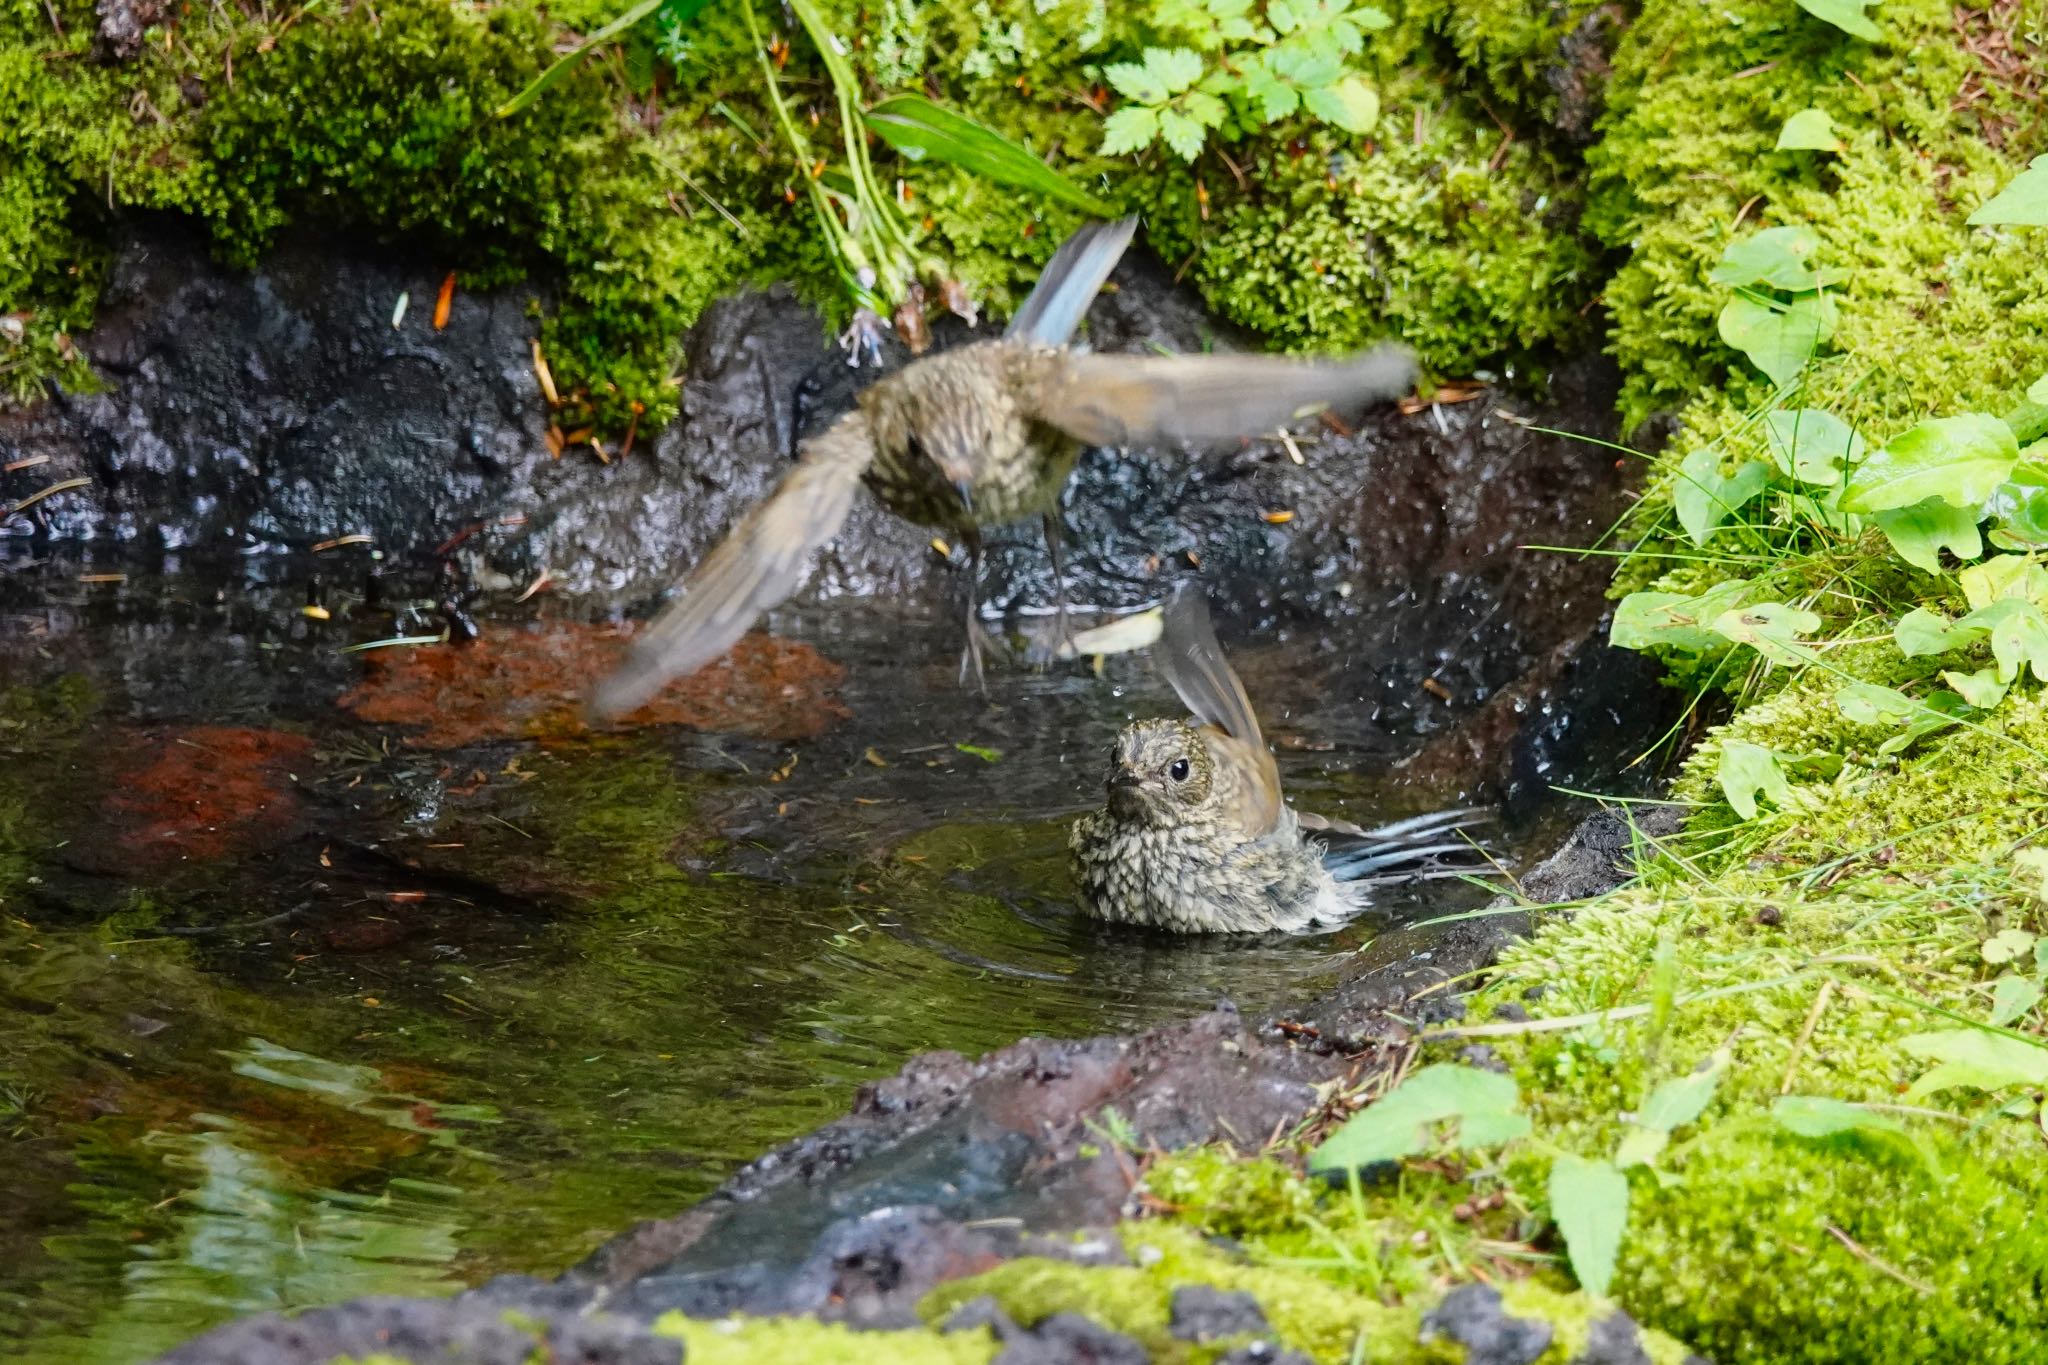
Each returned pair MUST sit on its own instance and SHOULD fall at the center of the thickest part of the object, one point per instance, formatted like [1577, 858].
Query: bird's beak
[965, 488]
[1123, 780]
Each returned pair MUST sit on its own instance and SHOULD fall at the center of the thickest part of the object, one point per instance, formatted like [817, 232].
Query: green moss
[742, 1341]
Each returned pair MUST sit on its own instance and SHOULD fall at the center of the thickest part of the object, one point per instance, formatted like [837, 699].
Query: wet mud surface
[341, 972]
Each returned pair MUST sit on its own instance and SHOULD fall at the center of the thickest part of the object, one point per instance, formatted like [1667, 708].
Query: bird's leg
[1062, 625]
[970, 656]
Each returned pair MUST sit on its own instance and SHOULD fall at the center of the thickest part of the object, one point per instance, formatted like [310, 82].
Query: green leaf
[1350, 104]
[1276, 98]
[1817, 1116]
[1921, 532]
[918, 128]
[1811, 445]
[1704, 499]
[1974, 1059]
[1589, 1204]
[2037, 392]
[1164, 73]
[1778, 338]
[1779, 257]
[1402, 1122]
[1369, 18]
[1307, 69]
[1640, 1146]
[1682, 1099]
[981, 751]
[1772, 630]
[1940, 711]
[1204, 108]
[1982, 689]
[1920, 632]
[1957, 459]
[2023, 203]
[1870, 704]
[2019, 636]
[684, 11]
[2019, 506]
[2008, 945]
[1674, 620]
[1182, 133]
[1747, 770]
[1846, 15]
[2030, 871]
[1130, 129]
[2012, 997]
[1809, 130]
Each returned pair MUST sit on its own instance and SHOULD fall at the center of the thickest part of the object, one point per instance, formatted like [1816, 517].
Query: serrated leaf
[1772, 630]
[2012, 997]
[1174, 68]
[1871, 704]
[1957, 459]
[1589, 1204]
[1809, 130]
[1204, 108]
[1748, 770]
[1922, 632]
[1817, 1116]
[1982, 689]
[1130, 129]
[1276, 98]
[1846, 15]
[2008, 945]
[1779, 258]
[1134, 82]
[917, 127]
[1305, 68]
[1682, 1099]
[1918, 534]
[1976, 1060]
[1674, 620]
[1704, 498]
[1403, 1121]
[1183, 134]
[1350, 104]
[1811, 445]
[2023, 203]
[1778, 338]
[1369, 18]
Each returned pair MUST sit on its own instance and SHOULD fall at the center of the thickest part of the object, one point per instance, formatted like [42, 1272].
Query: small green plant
[1239, 66]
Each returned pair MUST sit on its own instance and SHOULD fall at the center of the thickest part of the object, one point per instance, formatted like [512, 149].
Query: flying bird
[983, 435]
[1196, 836]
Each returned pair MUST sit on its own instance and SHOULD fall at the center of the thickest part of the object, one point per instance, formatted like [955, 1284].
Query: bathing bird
[982, 435]
[1196, 836]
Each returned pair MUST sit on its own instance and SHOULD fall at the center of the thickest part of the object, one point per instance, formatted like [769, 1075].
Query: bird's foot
[979, 644]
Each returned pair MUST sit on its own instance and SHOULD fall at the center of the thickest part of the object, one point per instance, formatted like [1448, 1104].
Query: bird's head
[947, 413]
[1159, 772]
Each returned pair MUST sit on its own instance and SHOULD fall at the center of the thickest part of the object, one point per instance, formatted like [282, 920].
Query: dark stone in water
[1472, 1316]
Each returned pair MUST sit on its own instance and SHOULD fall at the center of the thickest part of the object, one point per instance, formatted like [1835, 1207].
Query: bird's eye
[1179, 771]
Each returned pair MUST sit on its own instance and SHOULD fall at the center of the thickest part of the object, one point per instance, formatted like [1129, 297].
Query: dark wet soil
[335, 973]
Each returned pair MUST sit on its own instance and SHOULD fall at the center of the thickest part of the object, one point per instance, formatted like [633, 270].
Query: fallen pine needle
[28, 463]
[545, 376]
[339, 541]
[396, 641]
[1870, 1258]
[444, 301]
[54, 489]
[103, 578]
[535, 586]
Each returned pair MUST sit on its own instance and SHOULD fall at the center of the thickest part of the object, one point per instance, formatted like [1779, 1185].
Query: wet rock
[1613, 1340]
[194, 794]
[1472, 1316]
[979, 1313]
[432, 1332]
[1201, 1313]
[1580, 74]
[1070, 1339]
[1596, 858]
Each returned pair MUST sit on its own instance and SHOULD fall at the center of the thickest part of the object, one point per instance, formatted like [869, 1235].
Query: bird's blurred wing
[1112, 400]
[759, 563]
[1069, 283]
[1194, 665]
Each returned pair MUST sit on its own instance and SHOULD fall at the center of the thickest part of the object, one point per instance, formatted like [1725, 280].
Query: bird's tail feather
[1070, 281]
[1418, 849]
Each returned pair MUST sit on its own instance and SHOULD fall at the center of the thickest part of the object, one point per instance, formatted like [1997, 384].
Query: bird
[1196, 837]
[983, 435]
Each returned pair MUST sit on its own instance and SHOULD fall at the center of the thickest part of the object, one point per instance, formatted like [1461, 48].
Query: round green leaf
[1957, 459]
[1809, 130]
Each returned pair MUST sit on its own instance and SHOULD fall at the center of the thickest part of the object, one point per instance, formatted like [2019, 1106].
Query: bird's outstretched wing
[1195, 667]
[1070, 282]
[758, 564]
[1107, 400]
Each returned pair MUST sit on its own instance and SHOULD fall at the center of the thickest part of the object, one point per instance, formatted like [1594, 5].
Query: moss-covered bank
[652, 180]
